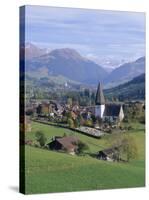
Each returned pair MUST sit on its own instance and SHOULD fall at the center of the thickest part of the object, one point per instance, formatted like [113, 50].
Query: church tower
[99, 102]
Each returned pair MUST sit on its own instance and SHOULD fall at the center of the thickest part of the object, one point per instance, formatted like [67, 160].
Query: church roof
[112, 109]
[100, 100]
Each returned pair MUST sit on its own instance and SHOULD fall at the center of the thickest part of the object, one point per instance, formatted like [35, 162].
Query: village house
[43, 108]
[108, 113]
[67, 144]
[51, 108]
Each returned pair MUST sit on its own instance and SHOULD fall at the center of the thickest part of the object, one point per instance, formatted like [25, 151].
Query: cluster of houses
[103, 112]
[107, 112]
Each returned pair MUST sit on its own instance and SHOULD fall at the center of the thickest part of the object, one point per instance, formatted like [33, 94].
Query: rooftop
[68, 142]
[112, 109]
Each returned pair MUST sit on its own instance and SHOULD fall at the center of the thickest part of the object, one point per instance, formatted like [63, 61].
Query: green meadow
[49, 171]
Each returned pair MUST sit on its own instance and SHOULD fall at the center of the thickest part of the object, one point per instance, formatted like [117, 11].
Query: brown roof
[68, 142]
[100, 100]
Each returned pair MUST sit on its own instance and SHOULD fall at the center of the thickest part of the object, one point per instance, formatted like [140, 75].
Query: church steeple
[100, 100]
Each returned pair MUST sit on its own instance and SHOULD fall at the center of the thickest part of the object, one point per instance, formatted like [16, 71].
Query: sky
[107, 37]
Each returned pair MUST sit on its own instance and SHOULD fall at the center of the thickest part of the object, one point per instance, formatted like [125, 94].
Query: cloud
[96, 32]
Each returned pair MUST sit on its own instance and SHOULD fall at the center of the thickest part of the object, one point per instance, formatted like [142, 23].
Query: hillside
[134, 89]
[50, 171]
[68, 63]
[125, 72]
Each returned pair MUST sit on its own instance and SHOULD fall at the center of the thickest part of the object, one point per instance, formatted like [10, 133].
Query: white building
[107, 111]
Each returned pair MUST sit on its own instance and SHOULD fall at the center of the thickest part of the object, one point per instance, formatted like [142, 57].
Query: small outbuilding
[110, 154]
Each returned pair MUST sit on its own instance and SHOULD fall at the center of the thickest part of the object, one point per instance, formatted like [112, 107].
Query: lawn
[49, 171]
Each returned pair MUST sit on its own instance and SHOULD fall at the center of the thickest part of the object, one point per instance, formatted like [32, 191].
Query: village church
[108, 112]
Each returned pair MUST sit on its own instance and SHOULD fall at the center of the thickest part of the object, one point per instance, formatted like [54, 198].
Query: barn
[67, 144]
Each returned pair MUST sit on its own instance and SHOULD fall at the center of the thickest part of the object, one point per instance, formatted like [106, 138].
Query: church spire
[100, 100]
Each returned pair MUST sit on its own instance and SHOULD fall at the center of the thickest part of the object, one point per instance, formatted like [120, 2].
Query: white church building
[108, 112]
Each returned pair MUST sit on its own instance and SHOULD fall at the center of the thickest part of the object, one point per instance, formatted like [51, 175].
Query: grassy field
[49, 171]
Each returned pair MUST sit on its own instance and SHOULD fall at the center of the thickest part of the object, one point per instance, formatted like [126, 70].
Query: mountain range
[134, 90]
[125, 72]
[32, 51]
[69, 64]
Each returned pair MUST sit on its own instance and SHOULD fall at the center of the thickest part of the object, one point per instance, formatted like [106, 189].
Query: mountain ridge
[72, 65]
[126, 72]
[134, 89]
[69, 63]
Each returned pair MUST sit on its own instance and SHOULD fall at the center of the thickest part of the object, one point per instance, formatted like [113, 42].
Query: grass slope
[49, 171]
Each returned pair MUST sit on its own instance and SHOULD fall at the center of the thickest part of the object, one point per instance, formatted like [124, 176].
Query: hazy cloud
[97, 32]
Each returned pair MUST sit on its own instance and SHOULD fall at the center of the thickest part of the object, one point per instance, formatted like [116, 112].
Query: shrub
[64, 135]
[82, 147]
[88, 123]
[129, 128]
[40, 137]
[142, 119]
[129, 148]
[70, 123]
[125, 145]
[76, 123]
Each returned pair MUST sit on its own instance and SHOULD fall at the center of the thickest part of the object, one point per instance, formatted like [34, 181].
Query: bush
[129, 148]
[129, 128]
[70, 123]
[76, 123]
[64, 135]
[126, 147]
[126, 120]
[82, 147]
[40, 137]
[88, 123]
[142, 119]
